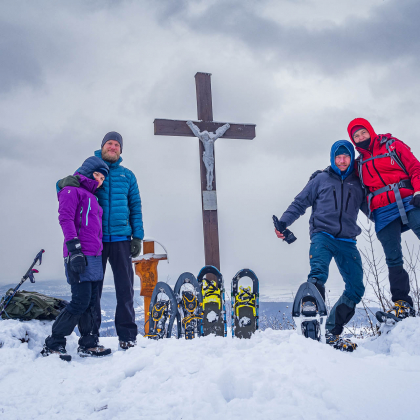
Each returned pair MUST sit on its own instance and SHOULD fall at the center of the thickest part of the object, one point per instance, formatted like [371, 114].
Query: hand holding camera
[285, 234]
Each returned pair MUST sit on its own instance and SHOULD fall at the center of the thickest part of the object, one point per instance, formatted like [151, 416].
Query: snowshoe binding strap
[245, 298]
[342, 344]
[158, 316]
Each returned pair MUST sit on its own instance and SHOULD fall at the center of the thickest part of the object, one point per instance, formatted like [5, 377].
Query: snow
[275, 375]
[212, 316]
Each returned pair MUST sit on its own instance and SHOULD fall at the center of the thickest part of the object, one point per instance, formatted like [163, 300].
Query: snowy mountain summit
[275, 375]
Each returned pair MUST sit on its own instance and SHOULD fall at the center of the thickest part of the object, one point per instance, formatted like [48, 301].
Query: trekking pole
[28, 275]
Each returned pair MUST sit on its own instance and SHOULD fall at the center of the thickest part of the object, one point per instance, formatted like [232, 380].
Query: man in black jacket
[335, 196]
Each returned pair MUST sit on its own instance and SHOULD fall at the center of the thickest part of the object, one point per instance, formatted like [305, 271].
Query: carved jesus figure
[208, 139]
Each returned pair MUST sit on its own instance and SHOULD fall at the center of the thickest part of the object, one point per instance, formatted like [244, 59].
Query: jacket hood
[98, 153]
[364, 123]
[86, 183]
[350, 148]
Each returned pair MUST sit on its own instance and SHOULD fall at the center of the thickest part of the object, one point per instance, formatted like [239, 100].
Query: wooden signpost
[146, 268]
[206, 124]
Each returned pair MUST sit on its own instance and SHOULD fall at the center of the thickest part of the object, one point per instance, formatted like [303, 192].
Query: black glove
[69, 181]
[312, 176]
[281, 226]
[415, 201]
[77, 260]
[135, 247]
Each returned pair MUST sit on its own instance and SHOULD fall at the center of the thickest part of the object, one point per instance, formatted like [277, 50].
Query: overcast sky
[298, 69]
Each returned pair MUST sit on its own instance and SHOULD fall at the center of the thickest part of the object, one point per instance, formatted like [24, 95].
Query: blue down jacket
[335, 199]
[120, 200]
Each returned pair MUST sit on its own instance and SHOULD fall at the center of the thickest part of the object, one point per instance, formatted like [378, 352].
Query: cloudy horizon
[300, 70]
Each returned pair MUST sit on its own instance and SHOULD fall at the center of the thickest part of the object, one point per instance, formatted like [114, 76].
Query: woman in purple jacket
[80, 217]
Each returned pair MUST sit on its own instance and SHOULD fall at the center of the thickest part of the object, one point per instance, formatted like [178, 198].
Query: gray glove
[135, 247]
[69, 181]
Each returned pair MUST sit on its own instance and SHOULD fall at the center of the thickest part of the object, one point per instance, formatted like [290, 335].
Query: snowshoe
[214, 311]
[60, 351]
[245, 305]
[388, 320]
[162, 310]
[309, 312]
[342, 344]
[190, 306]
[97, 351]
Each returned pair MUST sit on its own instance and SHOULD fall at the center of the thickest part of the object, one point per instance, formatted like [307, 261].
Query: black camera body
[289, 237]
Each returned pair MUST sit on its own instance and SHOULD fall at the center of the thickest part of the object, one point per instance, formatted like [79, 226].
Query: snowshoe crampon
[190, 306]
[340, 343]
[388, 320]
[163, 310]
[214, 311]
[244, 305]
[309, 312]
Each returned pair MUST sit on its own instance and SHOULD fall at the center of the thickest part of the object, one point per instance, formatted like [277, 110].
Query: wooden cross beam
[208, 198]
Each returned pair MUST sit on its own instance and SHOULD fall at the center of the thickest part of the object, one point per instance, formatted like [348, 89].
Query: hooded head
[357, 124]
[93, 164]
[342, 147]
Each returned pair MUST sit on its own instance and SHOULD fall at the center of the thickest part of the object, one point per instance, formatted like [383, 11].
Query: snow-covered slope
[275, 375]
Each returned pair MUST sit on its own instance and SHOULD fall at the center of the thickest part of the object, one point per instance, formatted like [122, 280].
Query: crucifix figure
[208, 140]
[207, 131]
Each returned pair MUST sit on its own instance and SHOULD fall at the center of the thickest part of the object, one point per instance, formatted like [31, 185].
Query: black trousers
[390, 238]
[119, 256]
[81, 312]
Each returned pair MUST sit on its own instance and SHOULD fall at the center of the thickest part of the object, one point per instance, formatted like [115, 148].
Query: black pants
[390, 238]
[119, 256]
[81, 312]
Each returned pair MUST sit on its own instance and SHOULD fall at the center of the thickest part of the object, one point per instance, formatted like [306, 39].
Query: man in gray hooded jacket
[335, 196]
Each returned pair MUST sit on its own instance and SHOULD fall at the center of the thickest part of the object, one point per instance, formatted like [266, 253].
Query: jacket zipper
[80, 221]
[348, 199]
[87, 213]
[341, 208]
[335, 199]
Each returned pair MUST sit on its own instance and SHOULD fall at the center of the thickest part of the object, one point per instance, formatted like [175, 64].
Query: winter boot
[61, 351]
[125, 345]
[319, 286]
[97, 351]
[397, 313]
[338, 343]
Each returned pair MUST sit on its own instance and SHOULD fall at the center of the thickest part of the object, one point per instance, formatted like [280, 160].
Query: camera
[289, 237]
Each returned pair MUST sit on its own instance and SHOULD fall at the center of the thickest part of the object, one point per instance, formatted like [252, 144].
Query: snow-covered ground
[275, 375]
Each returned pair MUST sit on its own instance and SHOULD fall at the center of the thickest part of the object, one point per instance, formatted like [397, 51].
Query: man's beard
[107, 158]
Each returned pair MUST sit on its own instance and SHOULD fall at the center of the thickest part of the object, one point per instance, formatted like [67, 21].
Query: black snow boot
[97, 351]
[319, 286]
[399, 282]
[60, 351]
[125, 345]
[342, 344]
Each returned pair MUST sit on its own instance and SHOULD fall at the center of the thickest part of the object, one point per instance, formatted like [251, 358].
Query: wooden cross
[208, 198]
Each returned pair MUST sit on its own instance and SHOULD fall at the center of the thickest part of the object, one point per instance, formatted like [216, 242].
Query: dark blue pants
[390, 238]
[119, 256]
[81, 312]
[347, 257]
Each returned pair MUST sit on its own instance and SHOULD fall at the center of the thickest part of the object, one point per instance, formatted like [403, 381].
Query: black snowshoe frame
[309, 311]
[162, 312]
[244, 305]
[190, 307]
[213, 301]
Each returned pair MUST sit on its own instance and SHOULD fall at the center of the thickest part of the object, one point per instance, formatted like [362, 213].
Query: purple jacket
[80, 216]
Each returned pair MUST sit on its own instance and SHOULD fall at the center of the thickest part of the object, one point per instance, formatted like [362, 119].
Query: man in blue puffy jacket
[122, 226]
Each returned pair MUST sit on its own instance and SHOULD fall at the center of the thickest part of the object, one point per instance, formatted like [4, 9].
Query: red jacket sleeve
[412, 165]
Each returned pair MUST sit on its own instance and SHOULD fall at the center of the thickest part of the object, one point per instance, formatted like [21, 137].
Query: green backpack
[32, 305]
